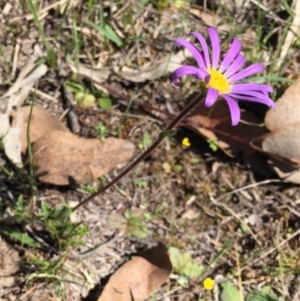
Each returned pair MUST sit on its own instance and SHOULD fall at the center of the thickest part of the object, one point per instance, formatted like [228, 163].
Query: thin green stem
[190, 106]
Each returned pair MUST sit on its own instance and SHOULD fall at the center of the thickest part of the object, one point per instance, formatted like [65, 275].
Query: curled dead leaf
[283, 143]
[157, 69]
[63, 158]
[138, 278]
[13, 99]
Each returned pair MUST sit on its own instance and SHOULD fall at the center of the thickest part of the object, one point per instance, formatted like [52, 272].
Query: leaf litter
[10, 103]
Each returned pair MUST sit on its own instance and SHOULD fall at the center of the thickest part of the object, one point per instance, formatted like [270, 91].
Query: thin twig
[190, 106]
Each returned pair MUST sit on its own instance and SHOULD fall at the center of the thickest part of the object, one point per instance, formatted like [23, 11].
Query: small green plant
[213, 144]
[104, 103]
[146, 141]
[131, 223]
[60, 236]
[60, 227]
[140, 183]
[101, 130]
[184, 266]
[56, 222]
[90, 189]
[83, 96]
[230, 292]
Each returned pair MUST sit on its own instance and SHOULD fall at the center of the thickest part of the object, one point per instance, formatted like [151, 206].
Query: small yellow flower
[209, 283]
[186, 142]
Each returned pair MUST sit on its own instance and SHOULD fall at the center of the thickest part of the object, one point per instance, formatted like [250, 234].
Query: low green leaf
[19, 205]
[73, 86]
[230, 292]
[182, 280]
[137, 230]
[179, 260]
[105, 103]
[46, 210]
[62, 213]
[177, 168]
[165, 134]
[193, 270]
[23, 238]
[258, 296]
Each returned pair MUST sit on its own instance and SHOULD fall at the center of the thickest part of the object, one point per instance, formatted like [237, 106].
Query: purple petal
[255, 97]
[204, 47]
[231, 54]
[188, 70]
[211, 97]
[235, 66]
[215, 45]
[235, 111]
[250, 70]
[193, 49]
[244, 88]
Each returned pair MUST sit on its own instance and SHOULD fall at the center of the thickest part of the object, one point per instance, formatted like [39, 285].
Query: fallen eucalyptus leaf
[283, 143]
[63, 158]
[138, 278]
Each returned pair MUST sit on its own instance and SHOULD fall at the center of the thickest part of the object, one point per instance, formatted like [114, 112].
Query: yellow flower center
[218, 81]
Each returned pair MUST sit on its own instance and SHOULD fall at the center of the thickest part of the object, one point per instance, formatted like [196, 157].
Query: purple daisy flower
[223, 79]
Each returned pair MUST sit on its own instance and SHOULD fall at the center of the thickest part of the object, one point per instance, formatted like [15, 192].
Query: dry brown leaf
[138, 278]
[284, 140]
[286, 170]
[42, 122]
[152, 71]
[63, 158]
[215, 124]
[287, 108]
[9, 263]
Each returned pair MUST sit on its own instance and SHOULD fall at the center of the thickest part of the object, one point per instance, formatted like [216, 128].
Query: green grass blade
[107, 32]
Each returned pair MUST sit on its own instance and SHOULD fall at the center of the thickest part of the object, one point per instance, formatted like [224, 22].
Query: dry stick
[191, 106]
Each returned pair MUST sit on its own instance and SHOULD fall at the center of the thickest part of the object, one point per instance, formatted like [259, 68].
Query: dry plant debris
[282, 142]
[63, 158]
[152, 71]
[215, 125]
[139, 277]
[10, 103]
